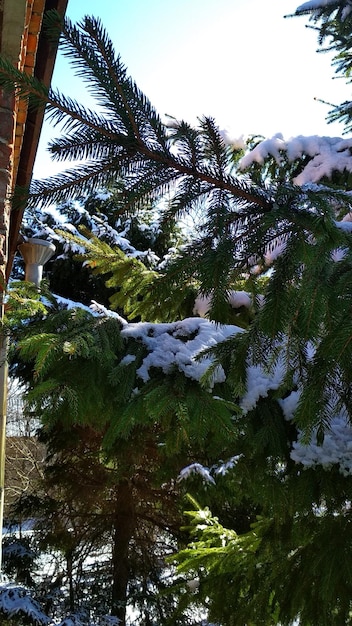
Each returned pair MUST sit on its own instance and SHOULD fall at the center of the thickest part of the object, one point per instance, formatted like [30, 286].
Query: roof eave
[43, 70]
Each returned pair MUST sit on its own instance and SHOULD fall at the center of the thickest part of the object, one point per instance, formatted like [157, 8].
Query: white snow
[327, 155]
[196, 468]
[177, 345]
[129, 358]
[99, 309]
[336, 448]
[236, 300]
[224, 467]
[273, 250]
[103, 195]
[316, 7]
[67, 303]
[15, 601]
[312, 5]
[344, 225]
[202, 305]
[100, 228]
[237, 143]
[289, 404]
[259, 383]
[338, 255]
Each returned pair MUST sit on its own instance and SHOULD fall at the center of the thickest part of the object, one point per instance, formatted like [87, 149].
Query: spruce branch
[127, 122]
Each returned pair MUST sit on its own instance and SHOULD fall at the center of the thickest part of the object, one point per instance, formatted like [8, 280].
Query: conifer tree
[278, 547]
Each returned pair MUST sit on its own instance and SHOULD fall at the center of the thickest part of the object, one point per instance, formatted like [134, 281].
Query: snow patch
[259, 383]
[236, 300]
[178, 344]
[16, 601]
[314, 5]
[196, 468]
[327, 155]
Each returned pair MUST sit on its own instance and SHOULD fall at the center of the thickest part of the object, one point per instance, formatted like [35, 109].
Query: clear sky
[239, 61]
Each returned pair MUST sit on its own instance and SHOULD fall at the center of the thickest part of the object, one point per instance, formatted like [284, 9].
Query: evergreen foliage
[112, 457]
[277, 546]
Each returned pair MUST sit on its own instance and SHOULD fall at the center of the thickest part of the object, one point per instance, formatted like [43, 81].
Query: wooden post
[7, 129]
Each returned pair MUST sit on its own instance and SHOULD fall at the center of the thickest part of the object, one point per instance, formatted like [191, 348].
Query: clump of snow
[289, 404]
[171, 254]
[100, 309]
[148, 256]
[236, 300]
[274, 250]
[102, 195]
[259, 383]
[202, 305]
[196, 468]
[336, 448]
[237, 143]
[347, 217]
[268, 147]
[16, 601]
[327, 155]
[338, 255]
[344, 225]
[68, 304]
[311, 5]
[206, 474]
[223, 468]
[346, 11]
[95, 309]
[316, 6]
[99, 226]
[129, 358]
[177, 345]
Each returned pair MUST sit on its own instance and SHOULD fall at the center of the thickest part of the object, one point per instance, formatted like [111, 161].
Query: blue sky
[239, 61]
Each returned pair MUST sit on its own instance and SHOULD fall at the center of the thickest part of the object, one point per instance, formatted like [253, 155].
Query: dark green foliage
[277, 546]
[107, 447]
[248, 570]
[123, 139]
[19, 560]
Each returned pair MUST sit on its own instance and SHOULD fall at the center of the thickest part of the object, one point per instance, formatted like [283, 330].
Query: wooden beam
[43, 70]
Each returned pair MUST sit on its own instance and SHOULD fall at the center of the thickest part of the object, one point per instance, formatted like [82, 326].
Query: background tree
[113, 471]
[82, 502]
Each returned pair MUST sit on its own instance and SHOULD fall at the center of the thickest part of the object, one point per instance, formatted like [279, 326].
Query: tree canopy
[224, 359]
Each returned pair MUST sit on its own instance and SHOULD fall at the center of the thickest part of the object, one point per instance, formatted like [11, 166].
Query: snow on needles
[328, 155]
[312, 5]
[259, 383]
[16, 601]
[317, 6]
[335, 449]
[177, 345]
[236, 299]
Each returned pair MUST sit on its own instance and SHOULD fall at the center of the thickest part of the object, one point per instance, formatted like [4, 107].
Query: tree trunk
[69, 566]
[124, 526]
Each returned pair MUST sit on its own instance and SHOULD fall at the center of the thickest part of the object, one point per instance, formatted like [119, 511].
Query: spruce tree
[92, 464]
[278, 548]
